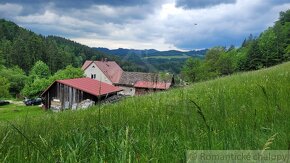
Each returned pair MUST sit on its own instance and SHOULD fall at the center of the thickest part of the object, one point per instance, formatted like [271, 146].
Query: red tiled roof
[152, 85]
[86, 65]
[89, 85]
[110, 68]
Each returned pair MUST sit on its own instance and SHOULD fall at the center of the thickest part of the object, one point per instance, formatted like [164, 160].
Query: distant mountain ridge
[122, 51]
[151, 52]
[153, 60]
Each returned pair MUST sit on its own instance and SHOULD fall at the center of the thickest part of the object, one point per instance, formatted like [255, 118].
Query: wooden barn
[70, 93]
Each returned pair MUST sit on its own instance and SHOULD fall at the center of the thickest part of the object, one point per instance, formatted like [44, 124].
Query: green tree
[40, 70]
[282, 30]
[192, 70]
[211, 60]
[4, 87]
[227, 63]
[254, 59]
[5, 52]
[269, 48]
[35, 88]
[69, 72]
[16, 78]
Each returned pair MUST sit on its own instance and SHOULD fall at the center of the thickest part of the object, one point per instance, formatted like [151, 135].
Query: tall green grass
[241, 111]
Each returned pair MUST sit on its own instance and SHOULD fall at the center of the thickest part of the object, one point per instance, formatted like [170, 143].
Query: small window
[93, 66]
[131, 89]
[94, 76]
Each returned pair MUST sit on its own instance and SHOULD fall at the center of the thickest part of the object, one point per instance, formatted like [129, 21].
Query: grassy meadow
[243, 111]
[14, 111]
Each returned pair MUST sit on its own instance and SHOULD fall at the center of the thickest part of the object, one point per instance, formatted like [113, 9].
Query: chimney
[105, 59]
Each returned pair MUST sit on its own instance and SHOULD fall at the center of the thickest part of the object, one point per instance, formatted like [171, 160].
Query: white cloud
[158, 44]
[8, 10]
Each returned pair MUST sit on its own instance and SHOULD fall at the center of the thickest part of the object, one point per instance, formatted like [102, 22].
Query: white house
[106, 71]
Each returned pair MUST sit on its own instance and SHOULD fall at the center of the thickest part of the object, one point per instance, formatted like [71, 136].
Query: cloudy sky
[145, 24]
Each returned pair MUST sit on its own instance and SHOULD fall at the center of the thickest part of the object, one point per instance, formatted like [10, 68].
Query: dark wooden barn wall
[65, 93]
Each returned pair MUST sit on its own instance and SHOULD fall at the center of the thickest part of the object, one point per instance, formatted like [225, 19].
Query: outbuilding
[69, 93]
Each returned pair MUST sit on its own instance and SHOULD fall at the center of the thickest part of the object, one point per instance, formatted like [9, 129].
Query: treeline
[15, 83]
[270, 48]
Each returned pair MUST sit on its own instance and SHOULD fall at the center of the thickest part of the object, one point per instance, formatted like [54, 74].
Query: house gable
[94, 72]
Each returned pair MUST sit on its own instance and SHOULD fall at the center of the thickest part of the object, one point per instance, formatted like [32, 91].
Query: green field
[16, 111]
[242, 111]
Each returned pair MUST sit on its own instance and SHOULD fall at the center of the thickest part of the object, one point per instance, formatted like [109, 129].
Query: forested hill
[21, 47]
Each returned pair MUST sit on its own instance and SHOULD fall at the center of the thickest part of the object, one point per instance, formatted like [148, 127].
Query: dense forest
[270, 48]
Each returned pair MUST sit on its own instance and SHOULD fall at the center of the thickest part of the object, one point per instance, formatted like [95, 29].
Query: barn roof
[110, 68]
[89, 85]
[145, 80]
[152, 85]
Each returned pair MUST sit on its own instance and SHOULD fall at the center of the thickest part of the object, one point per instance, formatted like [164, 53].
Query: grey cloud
[192, 4]
[78, 3]
[103, 11]
[147, 23]
[279, 1]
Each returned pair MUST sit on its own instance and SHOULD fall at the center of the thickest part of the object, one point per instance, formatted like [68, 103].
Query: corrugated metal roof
[89, 85]
[152, 85]
[110, 68]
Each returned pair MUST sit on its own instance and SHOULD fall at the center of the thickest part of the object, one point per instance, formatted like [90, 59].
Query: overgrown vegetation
[270, 48]
[241, 111]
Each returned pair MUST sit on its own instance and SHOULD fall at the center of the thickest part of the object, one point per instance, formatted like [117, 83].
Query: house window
[93, 66]
[93, 76]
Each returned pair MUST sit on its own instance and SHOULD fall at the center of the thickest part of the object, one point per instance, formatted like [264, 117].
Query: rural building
[138, 83]
[132, 83]
[105, 71]
[70, 93]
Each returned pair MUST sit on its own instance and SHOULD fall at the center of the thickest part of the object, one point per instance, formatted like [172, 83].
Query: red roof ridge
[87, 64]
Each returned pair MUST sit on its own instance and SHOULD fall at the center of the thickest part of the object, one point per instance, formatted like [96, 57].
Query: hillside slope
[241, 111]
